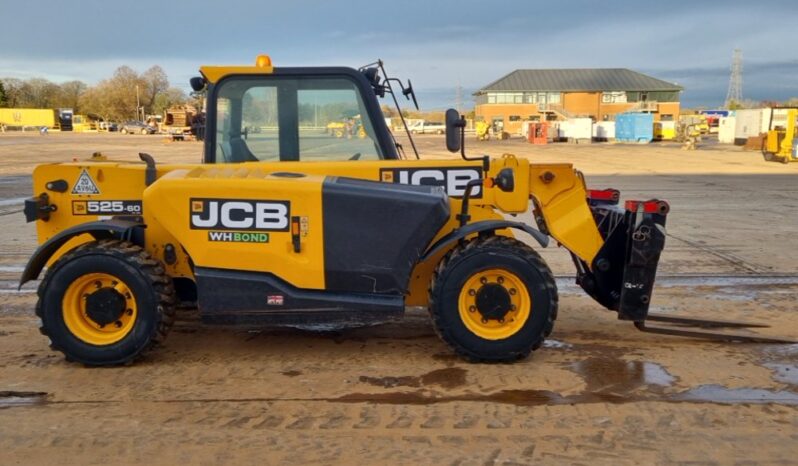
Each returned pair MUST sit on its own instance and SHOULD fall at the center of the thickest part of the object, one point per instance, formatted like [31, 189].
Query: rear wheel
[493, 299]
[144, 131]
[123, 130]
[106, 303]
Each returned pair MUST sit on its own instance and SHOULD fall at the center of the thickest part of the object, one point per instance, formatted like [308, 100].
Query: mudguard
[479, 227]
[104, 229]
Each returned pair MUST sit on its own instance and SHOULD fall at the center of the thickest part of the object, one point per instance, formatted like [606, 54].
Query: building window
[515, 117]
[530, 97]
[554, 97]
[505, 97]
[613, 97]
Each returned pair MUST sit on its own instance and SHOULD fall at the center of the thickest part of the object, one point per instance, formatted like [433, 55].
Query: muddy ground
[598, 392]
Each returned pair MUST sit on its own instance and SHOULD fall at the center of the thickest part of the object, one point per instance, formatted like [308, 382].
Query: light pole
[138, 104]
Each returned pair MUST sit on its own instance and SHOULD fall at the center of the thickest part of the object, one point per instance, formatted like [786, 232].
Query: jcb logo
[453, 180]
[239, 214]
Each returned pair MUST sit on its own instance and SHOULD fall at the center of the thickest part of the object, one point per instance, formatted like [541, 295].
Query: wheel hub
[105, 306]
[493, 301]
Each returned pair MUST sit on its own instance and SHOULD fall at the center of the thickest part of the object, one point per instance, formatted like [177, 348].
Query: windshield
[292, 118]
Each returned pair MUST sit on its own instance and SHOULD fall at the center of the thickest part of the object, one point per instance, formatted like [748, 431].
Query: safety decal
[85, 185]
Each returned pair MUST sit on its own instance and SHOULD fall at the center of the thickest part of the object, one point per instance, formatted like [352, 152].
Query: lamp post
[138, 104]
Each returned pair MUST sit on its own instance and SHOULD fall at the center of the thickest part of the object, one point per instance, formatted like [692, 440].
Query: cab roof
[212, 74]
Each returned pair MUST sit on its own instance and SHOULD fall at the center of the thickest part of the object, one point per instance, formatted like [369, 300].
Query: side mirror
[410, 93]
[454, 130]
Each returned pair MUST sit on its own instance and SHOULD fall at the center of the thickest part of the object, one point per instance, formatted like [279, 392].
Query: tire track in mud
[725, 256]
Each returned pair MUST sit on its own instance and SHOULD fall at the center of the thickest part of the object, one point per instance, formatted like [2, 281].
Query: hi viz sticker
[85, 185]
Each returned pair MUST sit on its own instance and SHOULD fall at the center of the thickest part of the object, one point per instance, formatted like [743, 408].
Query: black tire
[151, 288]
[481, 254]
[145, 131]
[123, 130]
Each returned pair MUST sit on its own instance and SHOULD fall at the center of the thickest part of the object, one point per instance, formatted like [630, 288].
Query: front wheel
[144, 131]
[105, 303]
[493, 299]
[123, 130]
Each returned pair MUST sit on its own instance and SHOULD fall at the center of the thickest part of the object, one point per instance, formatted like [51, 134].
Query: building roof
[573, 80]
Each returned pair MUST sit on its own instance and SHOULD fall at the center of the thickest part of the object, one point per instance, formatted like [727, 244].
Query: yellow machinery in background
[84, 124]
[699, 122]
[664, 130]
[781, 145]
[24, 118]
[483, 130]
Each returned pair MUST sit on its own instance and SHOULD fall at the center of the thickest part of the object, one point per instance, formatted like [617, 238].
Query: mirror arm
[485, 159]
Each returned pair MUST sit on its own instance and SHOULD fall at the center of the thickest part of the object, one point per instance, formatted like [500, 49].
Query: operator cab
[262, 113]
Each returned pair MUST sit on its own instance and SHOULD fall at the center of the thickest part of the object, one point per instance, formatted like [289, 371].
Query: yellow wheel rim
[492, 324]
[80, 309]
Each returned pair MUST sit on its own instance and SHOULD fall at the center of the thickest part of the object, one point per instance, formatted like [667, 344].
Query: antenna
[735, 93]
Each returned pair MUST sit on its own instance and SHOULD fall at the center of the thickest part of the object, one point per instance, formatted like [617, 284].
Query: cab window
[286, 118]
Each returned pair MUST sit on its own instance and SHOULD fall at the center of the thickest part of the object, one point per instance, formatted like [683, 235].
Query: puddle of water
[10, 399]
[702, 394]
[556, 344]
[450, 377]
[783, 349]
[514, 397]
[619, 377]
[723, 395]
[786, 373]
[391, 382]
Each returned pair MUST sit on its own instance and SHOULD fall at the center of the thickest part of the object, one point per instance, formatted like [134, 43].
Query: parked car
[427, 127]
[136, 127]
[108, 126]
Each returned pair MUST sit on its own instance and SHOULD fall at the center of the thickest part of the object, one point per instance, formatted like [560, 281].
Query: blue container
[634, 127]
[795, 149]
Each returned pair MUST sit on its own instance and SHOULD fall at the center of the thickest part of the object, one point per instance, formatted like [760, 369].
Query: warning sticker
[85, 185]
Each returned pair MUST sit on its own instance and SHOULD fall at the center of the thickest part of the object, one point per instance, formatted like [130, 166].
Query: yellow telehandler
[288, 226]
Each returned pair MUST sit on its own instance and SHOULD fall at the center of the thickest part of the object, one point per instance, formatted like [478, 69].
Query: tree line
[113, 99]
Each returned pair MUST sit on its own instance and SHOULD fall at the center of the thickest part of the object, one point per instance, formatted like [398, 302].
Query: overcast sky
[437, 44]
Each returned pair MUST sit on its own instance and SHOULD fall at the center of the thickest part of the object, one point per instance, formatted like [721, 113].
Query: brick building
[546, 95]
